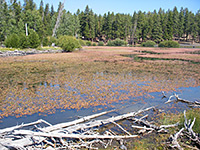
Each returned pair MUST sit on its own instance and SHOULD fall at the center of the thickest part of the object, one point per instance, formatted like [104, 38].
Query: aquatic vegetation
[89, 78]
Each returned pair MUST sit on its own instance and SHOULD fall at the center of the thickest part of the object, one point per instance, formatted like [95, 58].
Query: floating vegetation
[89, 78]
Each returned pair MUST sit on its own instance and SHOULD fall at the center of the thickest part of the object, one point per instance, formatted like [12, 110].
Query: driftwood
[148, 127]
[70, 135]
[187, 132]
[67, 124]
[178, 99]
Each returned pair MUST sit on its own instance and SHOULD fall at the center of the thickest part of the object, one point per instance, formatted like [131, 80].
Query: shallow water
[132, 104]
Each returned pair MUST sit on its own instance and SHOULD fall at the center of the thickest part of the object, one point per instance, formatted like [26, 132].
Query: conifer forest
[180, 25]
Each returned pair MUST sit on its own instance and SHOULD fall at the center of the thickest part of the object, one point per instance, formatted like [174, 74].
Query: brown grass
[88, 78]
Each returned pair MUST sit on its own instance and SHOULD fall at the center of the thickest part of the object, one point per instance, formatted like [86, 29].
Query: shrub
[148, 43]
[23, 41]
[94, 44]
[110, 43]
[101, 43]
[68, 43]
[51, 40]
[33, 38]
[12, 41]
[117, 42]
[88, 43]
[81, 42]
[45, 41]
[170, 44]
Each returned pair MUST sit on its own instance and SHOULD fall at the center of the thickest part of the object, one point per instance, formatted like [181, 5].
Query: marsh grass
[89, 78]
[191, 114]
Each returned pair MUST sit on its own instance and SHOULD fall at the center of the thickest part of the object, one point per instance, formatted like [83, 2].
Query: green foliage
[94, 44]
[88, 43]
[117, 42]
[82, 42]
[110, 43]
[51, 40]
[191, 114]
[45, 41]
[68, 43]
[12, 41]
[148, 43]
[101, 43]
[33, 38]
[164, 25]
[23, 41]
[170, 44]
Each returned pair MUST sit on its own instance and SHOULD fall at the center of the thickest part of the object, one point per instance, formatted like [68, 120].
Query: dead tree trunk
[133, 30]
[60, 13]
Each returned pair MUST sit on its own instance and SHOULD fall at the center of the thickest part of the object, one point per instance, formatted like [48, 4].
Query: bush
[101, 43]
[148, 43]
[117, 42]
[51, 40]
[45, 41]
[170, 44]
[33, 39]
[81, 42]
[23, 41]
[12, 41]
[68, 43]
[88, 43]
[110, 43]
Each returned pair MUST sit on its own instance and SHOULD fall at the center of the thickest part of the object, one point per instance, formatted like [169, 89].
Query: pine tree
[175, 22]
[117, 27]
[141, 25]
[186, 22]
[149, 24]
[29, 5]
[193, 27]
[157, 29]
[1, 20]
[181, 24]
[170, 24]
[52, 11]
[41, 9]
[127, 23]
[33, 39]
[91, 23]
[198, 23]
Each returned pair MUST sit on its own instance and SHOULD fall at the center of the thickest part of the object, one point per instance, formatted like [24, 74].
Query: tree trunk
[58, 19]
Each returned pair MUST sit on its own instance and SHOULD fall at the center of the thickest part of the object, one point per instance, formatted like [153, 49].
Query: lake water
[132, 104]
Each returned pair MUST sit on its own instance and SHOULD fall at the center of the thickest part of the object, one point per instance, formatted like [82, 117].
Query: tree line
[183, 25]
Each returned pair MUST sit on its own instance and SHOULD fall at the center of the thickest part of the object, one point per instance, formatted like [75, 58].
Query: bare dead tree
[132, 31]
[60, 13]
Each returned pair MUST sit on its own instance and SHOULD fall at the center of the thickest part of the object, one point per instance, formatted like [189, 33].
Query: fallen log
[104, 122]
[2, 131]
[67, 124]
[178, 99]
[74, 136]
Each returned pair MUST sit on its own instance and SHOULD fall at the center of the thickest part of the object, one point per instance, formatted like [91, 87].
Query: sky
[124, 6]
